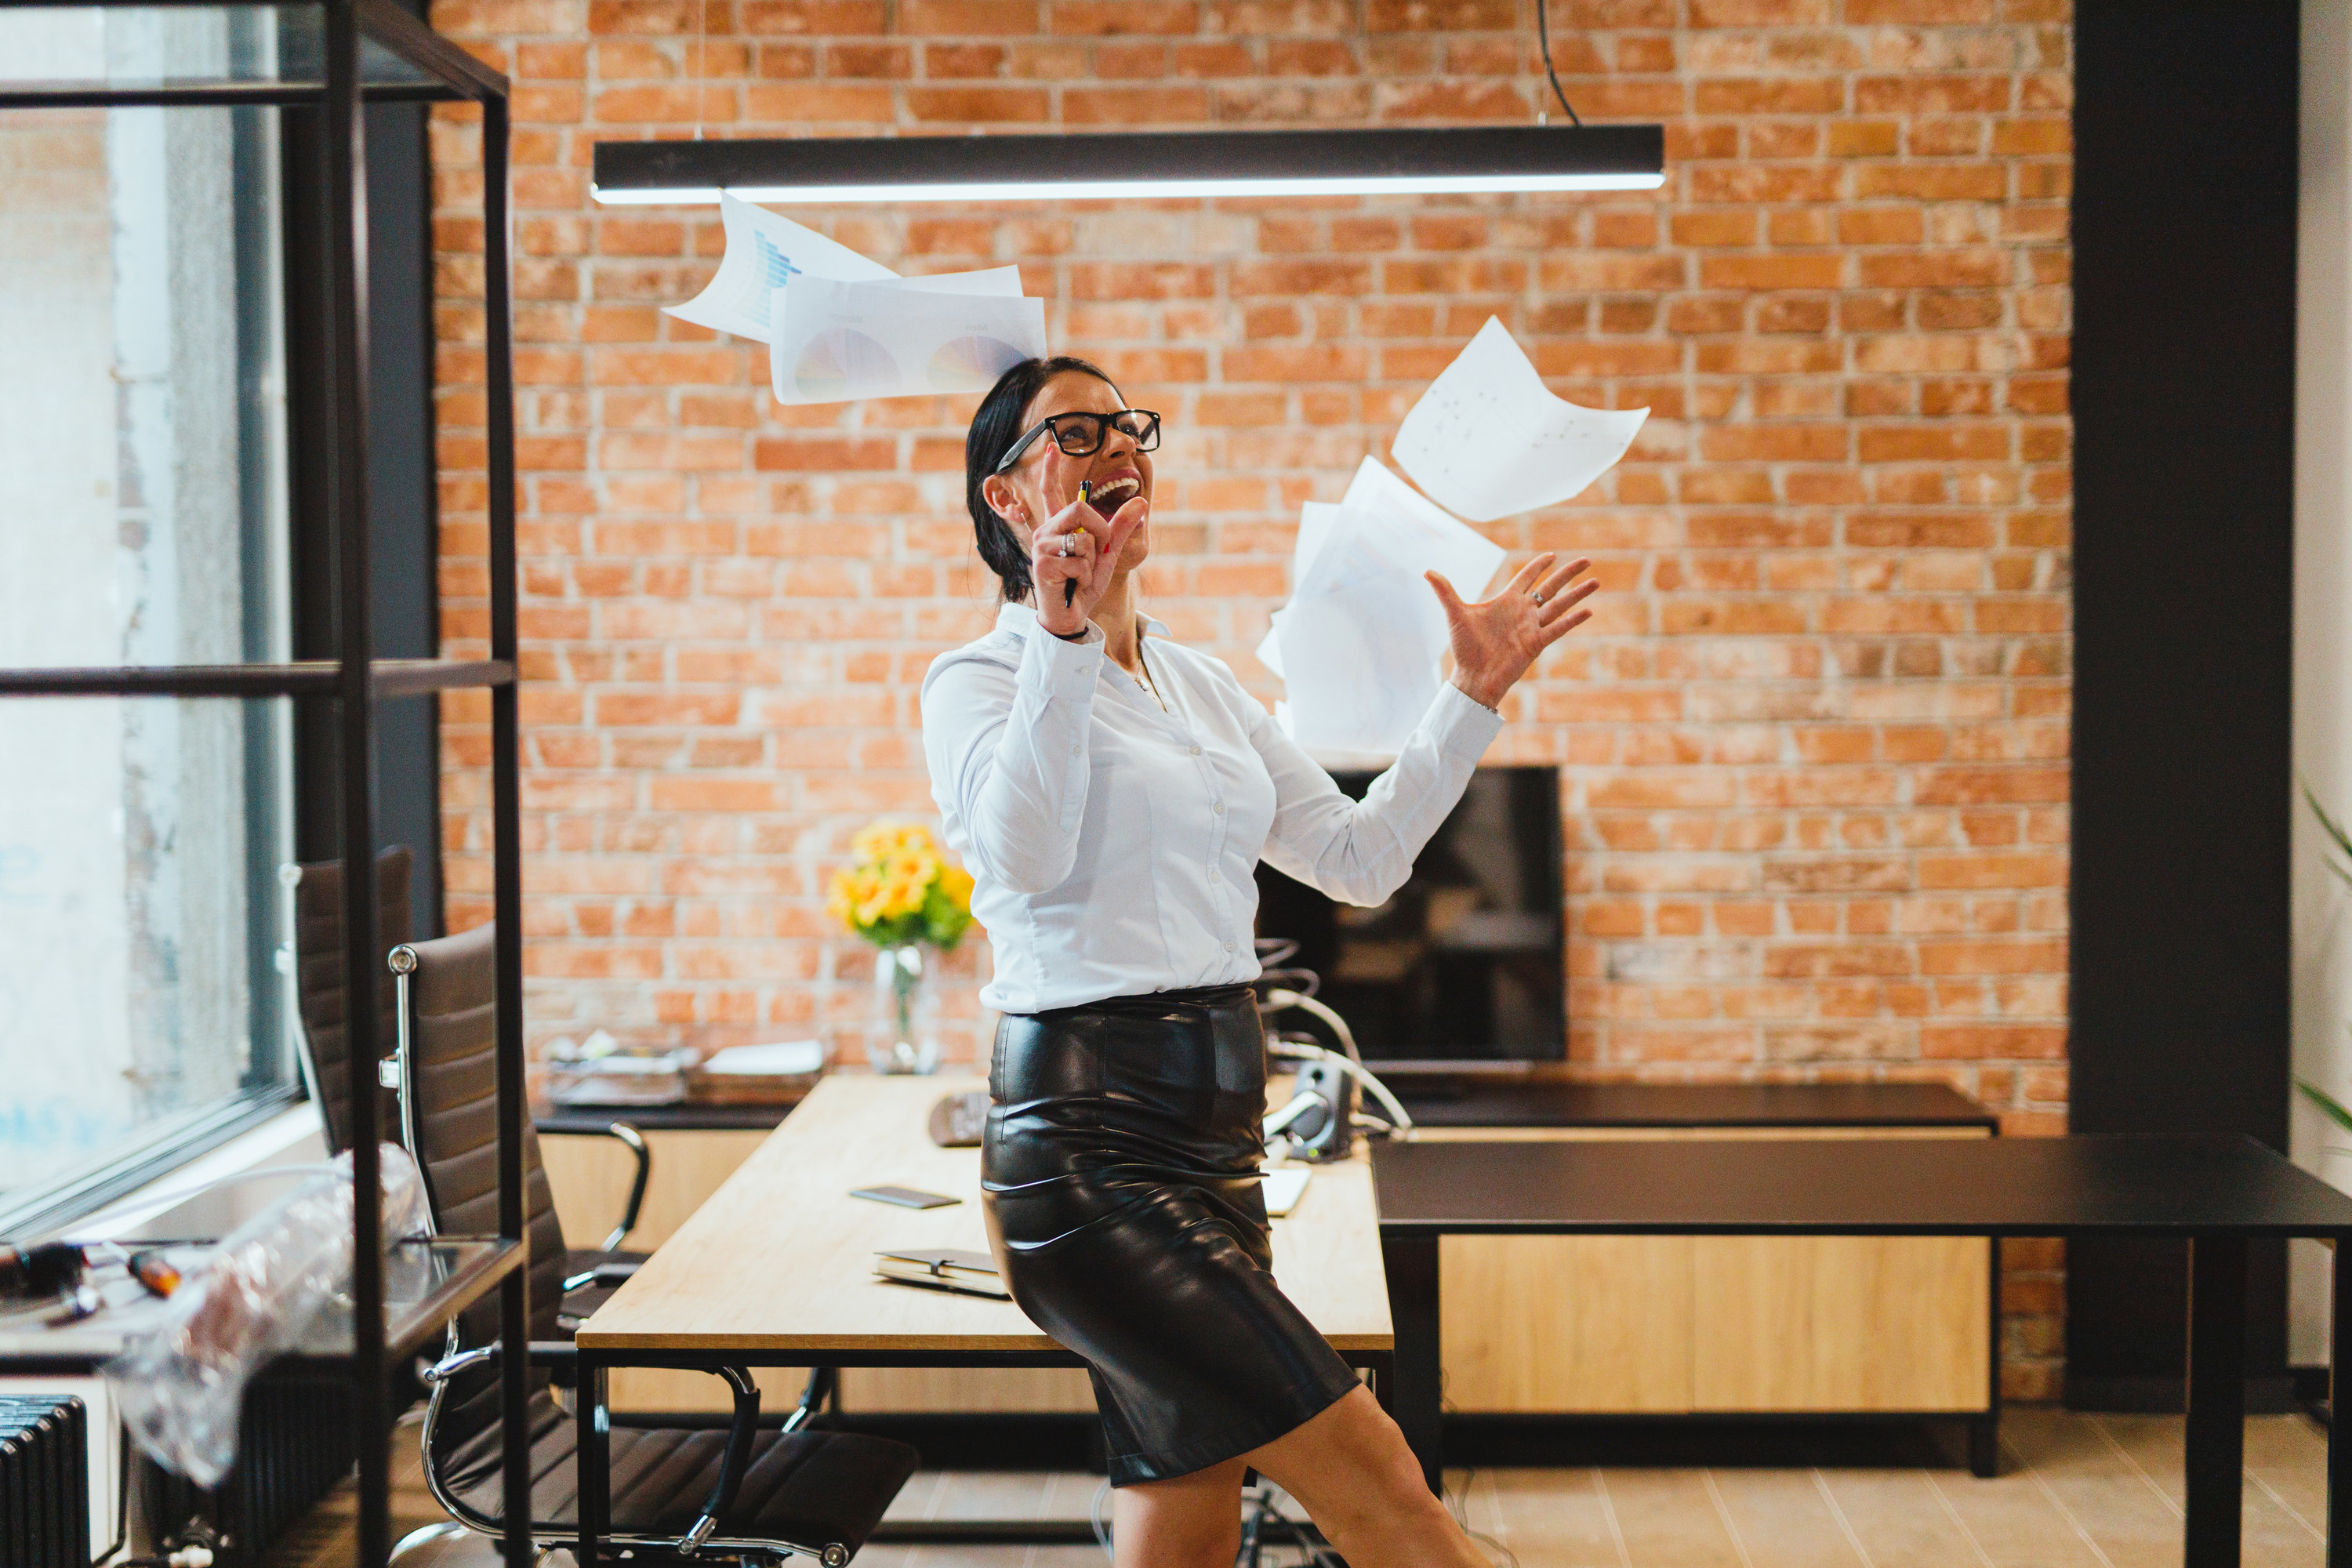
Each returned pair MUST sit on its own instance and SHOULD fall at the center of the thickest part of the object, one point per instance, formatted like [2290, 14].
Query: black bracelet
[1078, 636]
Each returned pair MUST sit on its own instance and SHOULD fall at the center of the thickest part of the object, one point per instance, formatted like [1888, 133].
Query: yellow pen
[1070, 585]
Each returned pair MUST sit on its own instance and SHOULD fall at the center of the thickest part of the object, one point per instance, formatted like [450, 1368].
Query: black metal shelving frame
[353, 680]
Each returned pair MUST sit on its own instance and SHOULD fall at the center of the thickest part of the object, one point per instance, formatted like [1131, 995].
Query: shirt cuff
[1051, 666]
[1462, 726]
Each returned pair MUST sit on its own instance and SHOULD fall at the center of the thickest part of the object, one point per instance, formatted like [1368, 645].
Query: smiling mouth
[1112, 494]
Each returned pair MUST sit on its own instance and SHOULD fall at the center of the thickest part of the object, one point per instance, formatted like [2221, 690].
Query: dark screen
[1464, 962]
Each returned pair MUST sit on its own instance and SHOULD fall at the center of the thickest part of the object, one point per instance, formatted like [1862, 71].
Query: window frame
[271, 1079]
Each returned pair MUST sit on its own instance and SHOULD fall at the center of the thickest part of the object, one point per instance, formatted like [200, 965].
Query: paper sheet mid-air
[1359, 644]
[1488, 438]
[838, 341]
[763, 253]
[840, 326]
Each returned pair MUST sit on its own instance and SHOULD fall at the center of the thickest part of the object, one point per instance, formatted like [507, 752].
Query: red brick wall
[1814, 741]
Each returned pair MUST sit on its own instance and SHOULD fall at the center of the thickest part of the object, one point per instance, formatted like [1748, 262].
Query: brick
[970, 105]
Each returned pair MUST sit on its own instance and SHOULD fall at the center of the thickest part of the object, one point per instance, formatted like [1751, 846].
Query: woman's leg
[1190, 1521]
[1350, 1469]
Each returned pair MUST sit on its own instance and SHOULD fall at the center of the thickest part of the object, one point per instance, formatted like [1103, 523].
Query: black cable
[1543, 37]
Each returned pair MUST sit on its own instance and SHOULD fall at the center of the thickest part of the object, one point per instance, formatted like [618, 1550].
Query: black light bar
[1135, 165]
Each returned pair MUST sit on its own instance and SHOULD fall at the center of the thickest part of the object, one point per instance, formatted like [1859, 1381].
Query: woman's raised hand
[1495, 640]
[1078, 545]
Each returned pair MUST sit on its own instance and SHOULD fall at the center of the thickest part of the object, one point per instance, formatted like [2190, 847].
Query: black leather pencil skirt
[1119, 1172]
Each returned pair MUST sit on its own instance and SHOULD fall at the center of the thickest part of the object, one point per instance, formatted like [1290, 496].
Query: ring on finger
[1065, 548]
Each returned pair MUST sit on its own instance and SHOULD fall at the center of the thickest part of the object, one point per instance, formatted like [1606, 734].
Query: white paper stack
[840, 326]
[1359, 642]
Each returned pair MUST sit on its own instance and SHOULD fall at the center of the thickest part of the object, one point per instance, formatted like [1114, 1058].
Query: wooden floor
[2078, 1491]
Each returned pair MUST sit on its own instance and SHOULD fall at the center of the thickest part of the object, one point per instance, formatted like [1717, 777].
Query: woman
[1111, 800]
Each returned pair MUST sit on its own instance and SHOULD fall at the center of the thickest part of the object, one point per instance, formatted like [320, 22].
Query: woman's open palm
[1495, 640]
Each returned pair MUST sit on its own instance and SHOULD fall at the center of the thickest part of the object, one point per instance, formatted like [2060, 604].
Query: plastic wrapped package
[181, 1388]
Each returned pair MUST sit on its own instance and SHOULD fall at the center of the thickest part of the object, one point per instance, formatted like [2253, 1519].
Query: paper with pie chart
[836, 340]
[765, 252]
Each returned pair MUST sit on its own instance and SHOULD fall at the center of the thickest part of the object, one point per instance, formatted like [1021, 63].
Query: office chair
[765, 1494]
[312, 963]
[443, 1034]
[1320, 1122]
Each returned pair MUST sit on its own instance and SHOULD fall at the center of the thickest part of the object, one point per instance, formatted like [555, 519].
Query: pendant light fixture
[1135, 165]
[1141, 165]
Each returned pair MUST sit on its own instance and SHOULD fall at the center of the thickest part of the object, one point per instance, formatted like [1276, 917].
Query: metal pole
[2339, 1444]
[506, 822]
[346, 360]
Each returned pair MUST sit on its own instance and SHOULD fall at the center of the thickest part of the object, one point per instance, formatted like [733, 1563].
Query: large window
[142, 521]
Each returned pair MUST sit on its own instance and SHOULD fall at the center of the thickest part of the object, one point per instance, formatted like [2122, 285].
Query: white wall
[2323, 626]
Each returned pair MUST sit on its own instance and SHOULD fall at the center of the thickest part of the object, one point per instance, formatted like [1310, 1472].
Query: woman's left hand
[1495, 640]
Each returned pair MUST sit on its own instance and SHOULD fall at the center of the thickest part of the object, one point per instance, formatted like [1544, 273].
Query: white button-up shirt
[1113, 845]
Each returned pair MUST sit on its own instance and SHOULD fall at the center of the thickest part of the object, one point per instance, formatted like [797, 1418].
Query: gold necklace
[1144, 664]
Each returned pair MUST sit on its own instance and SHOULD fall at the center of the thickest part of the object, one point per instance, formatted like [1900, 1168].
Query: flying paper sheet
[1488, 438]
[1359, 644]
[1362, 664]
[1316, 520]
[1421, 535]
[763, 253]
[838, 341]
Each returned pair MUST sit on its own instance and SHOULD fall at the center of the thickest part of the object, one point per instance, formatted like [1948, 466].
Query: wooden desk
[1655, 1327]
[777, 1268]
[2217, 1193]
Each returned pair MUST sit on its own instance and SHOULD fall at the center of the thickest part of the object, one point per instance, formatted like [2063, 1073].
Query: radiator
[293, 1446]
[44, 1482]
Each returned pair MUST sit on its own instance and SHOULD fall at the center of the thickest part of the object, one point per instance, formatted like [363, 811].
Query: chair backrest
[452, 1072]
[317, 979]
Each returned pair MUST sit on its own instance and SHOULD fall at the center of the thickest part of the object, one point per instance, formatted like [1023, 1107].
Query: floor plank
[2075, 1492]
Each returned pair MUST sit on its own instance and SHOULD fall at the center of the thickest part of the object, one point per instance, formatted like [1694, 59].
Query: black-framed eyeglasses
[1081, 435]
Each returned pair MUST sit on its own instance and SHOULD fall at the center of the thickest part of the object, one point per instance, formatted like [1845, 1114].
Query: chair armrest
[610, 1276]
[562, 1354]
[740, 1433]
[635, 1140]
[742, 1430]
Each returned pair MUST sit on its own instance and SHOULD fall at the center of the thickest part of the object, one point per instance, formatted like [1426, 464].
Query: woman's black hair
[994, 429]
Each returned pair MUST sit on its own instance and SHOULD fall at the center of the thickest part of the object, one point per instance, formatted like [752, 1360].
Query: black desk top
[1552, 1104]
[1963, 1186]
[685, 1117]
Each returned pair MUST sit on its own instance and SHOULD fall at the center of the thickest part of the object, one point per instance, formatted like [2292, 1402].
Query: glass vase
[906, 1010]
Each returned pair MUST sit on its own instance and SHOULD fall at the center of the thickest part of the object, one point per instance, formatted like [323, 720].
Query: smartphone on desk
[905, 1197]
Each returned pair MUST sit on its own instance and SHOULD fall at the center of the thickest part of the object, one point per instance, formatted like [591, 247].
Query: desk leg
[594, 1455]
[1984, 1431]
[1412, 1262]
[2217, 1399]
[2339, 1446]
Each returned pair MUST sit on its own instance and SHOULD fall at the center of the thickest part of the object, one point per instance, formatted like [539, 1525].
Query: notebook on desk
[1285, 1185]
[973, 1273]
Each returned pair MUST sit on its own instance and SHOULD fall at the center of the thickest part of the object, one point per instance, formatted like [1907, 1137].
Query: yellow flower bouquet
[902, 889]
[903, 894]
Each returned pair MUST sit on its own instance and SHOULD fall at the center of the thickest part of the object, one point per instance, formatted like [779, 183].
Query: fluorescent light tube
[1142, 165]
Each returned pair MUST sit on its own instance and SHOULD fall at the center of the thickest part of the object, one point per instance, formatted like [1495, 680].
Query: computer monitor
[1464, 964]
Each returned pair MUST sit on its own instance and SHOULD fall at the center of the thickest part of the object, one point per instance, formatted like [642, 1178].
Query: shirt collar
[1020, 620]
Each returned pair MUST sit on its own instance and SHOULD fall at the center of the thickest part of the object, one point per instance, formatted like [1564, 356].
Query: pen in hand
[1070, 585]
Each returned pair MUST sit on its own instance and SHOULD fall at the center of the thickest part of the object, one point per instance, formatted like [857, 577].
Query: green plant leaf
[2335, 831]
[2328, 1104]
